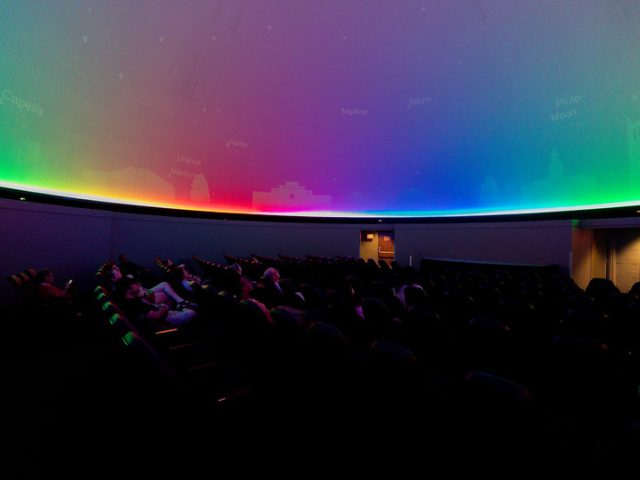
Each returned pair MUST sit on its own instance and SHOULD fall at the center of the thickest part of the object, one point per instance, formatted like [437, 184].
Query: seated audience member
[238, 285]
[187, 281]
[129, 268]
[46, 289]
[190, 286]
[346, 290]
[271, 276]
[236, 267]
[246, 286]
[229, 280]
[111, 275]
[136, 304]
[412, 295]
[160, 293]
[271, 292]
[164, 293]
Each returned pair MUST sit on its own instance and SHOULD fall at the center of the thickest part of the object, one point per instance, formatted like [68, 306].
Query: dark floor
[72, 408]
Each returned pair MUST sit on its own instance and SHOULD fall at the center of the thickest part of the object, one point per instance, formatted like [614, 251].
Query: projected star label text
[418, 101]
[9, 98]
[353, 111]
[236, 143]
[565, 102]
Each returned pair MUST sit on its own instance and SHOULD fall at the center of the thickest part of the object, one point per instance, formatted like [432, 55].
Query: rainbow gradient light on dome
[339, 108]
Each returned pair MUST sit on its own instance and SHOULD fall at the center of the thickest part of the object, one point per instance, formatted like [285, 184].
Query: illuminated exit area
[377, 245]
[611, 253]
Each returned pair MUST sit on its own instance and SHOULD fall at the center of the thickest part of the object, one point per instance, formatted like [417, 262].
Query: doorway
[606, 253]
[377, 245]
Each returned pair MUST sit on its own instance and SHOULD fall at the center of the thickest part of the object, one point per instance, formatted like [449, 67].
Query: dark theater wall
[522, 242]
[75, 241]
[71, 241]
[145, 236]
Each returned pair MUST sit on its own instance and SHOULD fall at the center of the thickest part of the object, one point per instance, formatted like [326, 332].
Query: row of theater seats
[527, 355]
[172, 356]
[24, 283]
[57, 320]
[553, 343]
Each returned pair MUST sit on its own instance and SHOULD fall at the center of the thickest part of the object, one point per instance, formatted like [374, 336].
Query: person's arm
[195, 279]
[186, 284]
[158, 314]
[67, 287]
[264, 309]
[48, 292]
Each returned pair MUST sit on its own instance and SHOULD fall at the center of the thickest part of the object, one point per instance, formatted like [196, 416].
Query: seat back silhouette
[580, 375]
[393, 371]
[498, 415]
[23, 283]
[487, 345]
[379, 320]
[329, 358]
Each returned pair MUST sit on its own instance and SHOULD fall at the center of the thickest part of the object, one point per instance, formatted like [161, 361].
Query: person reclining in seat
[132, 299]
[187, 281]
[47, 291]
[273, 294]
[246, 286]
[129, 268]
[161, 293]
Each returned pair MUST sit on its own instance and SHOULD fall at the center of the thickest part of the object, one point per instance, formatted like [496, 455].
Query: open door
[378, 245]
